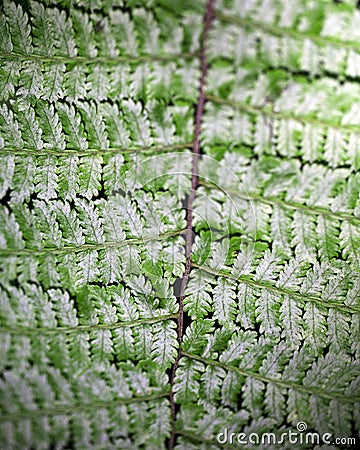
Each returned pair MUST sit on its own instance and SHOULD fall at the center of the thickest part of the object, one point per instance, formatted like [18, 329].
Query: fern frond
[179, 222]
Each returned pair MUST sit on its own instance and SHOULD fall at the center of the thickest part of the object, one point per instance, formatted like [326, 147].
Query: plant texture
[179, 223]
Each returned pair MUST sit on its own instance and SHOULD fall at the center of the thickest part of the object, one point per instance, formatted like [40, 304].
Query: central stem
[208, 17]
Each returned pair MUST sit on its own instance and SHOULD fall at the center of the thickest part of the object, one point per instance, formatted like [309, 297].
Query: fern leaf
[69, 224]
[63, 30]
[31, 131]
[89, 176]
[42, 30]
[71, 123]
[51, 126]
[187, 383]
[137, 123]
[122, 123]
[95, 126]
[19, 28]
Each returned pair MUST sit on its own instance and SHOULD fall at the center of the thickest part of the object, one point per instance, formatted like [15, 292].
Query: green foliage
[97, 103]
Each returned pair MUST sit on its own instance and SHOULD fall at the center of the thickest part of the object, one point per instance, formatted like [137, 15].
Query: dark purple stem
[209, 15]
